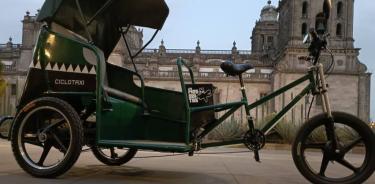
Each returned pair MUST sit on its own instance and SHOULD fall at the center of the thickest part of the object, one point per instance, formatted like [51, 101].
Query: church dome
[269, 13]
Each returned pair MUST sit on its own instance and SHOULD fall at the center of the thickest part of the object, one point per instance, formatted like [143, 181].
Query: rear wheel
[315, 155]
[47, 137]
[113, 156]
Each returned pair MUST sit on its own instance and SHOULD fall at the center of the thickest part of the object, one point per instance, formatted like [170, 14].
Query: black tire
[52, 125]
[306, 139]
[113, 158]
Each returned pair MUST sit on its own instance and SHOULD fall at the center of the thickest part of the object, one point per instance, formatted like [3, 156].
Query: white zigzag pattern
[55, 68]
[64, 68]
[78, 70]
[31, 64]
[38, 66]
[48, 67]
[93, 71]
[84, 70]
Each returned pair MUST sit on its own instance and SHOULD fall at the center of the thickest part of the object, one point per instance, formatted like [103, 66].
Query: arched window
[339, 30]
[304, 29]
[321, 24]
[339, 9]
[304, 9]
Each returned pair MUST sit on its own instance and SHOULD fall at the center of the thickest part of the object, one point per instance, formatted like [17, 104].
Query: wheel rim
[324, 162]
[44, 138]
[113, 153]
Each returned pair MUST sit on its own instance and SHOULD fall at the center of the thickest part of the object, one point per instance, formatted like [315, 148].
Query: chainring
[254, 141]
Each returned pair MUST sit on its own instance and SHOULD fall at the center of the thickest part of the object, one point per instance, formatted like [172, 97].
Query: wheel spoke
[347, 165]
[61, 145]
[57, 123]
[32, 140]
[46, 149]
[113, 153]
[350, 146]
[314, 146]
[30, 136]
[324, 165]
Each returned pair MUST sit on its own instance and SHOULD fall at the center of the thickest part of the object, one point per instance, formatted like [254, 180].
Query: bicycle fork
[323, 90]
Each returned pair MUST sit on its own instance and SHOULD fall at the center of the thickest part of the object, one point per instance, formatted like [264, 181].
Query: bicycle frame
[233, 106]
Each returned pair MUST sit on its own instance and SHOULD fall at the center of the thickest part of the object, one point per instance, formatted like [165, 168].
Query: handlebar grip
[313, 33]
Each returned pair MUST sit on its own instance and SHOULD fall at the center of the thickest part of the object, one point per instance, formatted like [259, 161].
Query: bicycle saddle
[234, 69]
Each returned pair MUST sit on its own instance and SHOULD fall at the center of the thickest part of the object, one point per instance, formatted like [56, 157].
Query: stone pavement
[277, 167]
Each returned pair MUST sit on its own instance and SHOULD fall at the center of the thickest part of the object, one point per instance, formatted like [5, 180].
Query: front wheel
[322, 158]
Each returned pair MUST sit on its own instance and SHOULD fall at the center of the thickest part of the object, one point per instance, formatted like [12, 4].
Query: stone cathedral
[276, 45]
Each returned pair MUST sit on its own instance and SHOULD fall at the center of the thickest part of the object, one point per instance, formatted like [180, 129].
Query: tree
[2, 81]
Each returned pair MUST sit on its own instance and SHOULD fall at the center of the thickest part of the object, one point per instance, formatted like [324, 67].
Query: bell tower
[296, 17]
[341, 23]
[30, 31]
[265, 33]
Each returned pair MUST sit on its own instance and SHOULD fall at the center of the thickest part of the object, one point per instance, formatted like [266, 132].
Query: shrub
[344, 133]
[229, 129]
[283, 132]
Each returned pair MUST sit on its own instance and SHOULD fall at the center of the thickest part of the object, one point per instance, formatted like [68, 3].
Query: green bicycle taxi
[73, 98]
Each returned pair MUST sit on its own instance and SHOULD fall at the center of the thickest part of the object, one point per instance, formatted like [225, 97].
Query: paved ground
[277, 167]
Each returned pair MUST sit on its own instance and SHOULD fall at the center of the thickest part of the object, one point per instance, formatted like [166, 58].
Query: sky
[216, 23]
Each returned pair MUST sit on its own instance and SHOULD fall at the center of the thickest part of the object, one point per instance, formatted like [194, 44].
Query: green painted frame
[192, 138]
[234, 106]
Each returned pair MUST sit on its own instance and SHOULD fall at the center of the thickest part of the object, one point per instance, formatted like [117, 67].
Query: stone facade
[9, 57]
[16, 59]
[276, 45]
[349, 81]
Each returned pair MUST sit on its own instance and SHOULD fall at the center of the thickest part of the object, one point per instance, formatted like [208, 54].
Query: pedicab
[73, 98]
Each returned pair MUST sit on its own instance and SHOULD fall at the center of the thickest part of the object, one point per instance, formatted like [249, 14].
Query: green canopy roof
[103, 18]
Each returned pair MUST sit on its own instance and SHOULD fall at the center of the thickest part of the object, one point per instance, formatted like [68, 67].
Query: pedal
[196, 143]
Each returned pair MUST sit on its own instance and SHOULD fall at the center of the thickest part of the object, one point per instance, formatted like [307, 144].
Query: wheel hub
[42, 137]
[332, 153]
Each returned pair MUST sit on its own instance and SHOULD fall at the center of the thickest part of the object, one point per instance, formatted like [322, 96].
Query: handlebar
[318, 43]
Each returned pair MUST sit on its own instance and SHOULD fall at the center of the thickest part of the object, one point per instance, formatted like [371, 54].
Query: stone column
[364, 85]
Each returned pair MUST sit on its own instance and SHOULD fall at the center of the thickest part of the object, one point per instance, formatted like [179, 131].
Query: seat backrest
[122, 79]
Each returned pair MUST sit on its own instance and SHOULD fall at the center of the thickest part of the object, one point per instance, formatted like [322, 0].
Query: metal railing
[8, 68]
[201, 75]
[9, 46]
[193, 51]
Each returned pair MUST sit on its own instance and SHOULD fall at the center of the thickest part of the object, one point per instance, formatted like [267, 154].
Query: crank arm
[256, 156]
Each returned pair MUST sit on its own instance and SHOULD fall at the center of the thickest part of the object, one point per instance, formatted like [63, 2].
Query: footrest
[149, 145]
